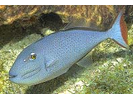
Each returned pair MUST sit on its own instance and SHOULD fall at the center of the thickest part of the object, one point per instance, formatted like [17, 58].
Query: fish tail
[118, 32]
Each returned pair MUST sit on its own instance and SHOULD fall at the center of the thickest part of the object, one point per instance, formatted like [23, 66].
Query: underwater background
[111, 70]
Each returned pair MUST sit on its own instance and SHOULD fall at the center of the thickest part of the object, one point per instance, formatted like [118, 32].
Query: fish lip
[12, 76]
[31, 73]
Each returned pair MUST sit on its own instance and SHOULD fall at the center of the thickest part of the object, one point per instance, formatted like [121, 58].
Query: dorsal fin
[81, 23]
[76, 23]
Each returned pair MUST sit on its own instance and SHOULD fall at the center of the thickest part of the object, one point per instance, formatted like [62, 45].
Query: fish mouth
[31, 73]
[12, 76]
[27, 74]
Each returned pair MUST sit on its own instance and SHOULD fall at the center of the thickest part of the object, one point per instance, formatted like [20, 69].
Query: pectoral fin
[86, 61]
[50, 63]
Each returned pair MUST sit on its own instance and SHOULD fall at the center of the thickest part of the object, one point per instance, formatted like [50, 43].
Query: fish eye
[32, 56]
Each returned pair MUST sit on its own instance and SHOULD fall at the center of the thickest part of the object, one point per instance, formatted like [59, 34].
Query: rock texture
[99, 16]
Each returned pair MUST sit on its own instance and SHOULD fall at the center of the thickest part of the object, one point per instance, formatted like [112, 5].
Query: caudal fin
[118, 32]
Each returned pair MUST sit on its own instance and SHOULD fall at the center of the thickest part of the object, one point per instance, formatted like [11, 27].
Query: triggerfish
[54, 54]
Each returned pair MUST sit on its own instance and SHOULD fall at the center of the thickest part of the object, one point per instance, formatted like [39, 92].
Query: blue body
[56, 53]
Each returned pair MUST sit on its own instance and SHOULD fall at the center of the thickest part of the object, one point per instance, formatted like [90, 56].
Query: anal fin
[86, 61]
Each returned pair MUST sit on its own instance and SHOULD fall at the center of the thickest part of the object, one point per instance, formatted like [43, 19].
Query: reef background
[111, 70]
[98, 15]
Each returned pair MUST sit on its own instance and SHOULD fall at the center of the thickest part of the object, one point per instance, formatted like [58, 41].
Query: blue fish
[53, 55]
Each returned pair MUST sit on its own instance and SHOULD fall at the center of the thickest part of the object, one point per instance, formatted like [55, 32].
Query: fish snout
[12, 76]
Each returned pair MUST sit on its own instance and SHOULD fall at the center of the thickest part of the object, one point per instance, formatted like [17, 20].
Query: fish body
[53, 55]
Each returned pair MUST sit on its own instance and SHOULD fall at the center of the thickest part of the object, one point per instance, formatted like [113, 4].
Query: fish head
[28, 69]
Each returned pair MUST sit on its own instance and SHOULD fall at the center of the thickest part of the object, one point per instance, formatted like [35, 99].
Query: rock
[98, 17]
